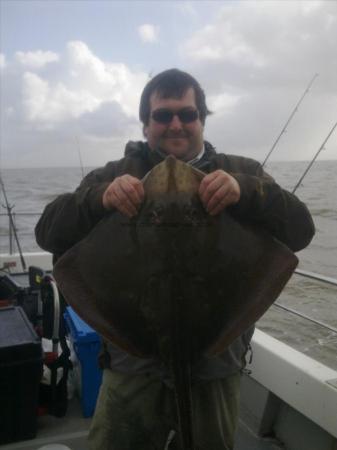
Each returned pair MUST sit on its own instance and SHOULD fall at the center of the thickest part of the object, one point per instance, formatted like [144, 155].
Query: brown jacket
[263, 203]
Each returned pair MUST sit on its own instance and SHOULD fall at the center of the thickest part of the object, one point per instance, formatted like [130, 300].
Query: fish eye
[156, 214]
[191, 213]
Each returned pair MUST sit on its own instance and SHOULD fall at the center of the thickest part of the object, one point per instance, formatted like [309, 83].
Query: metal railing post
[11, 233]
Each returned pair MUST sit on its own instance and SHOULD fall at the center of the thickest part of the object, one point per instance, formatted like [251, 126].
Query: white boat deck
[72, 431]
[288, 395]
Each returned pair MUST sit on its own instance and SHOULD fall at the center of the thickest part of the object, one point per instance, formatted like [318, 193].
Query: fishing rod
[304, 316]
[11, 220]
[80, 156]
[314, 158]
[290, 117]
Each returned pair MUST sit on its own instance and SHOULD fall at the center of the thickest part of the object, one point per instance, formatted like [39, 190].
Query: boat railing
[317, 277]
[10, 233]
[303, 273]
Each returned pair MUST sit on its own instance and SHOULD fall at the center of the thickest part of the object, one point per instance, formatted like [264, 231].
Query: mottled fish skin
[174, 283]
[172, 176]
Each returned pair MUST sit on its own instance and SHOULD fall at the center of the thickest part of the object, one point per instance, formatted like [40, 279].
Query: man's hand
[218, 190]
[125, 193]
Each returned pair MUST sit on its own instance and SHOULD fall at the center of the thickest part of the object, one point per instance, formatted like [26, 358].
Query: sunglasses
[165, 116]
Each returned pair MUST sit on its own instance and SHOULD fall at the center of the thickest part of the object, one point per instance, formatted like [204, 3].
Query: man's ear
[145, 131]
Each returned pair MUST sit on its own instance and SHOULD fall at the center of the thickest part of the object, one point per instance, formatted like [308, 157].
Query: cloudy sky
[72, 73]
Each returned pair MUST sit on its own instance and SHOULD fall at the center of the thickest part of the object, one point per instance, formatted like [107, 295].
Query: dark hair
[172, 83]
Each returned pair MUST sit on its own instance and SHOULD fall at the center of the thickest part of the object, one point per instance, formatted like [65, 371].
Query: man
[135, 408]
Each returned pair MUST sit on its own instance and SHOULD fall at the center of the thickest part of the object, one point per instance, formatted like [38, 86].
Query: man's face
[183, 140]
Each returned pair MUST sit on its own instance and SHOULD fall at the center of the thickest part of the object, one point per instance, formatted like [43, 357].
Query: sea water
[29, 190]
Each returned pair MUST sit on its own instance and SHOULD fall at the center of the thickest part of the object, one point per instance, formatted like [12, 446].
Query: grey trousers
[138, 413]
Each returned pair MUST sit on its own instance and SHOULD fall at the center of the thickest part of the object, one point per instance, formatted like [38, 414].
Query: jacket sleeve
[265, 204]
[70, 217]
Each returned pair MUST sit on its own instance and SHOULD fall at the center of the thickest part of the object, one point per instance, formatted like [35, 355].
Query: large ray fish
[174, 283]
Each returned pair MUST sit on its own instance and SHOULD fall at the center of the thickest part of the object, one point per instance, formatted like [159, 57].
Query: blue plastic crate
[86, 343]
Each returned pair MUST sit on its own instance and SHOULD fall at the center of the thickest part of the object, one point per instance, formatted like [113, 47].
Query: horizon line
[93, 167]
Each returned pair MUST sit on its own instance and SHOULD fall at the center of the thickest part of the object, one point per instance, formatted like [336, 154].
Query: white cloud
[222, 102]
[87, 84]
[10, 111]
[47, 105]
[276, 35]
[254, 61]
[187, 8]
[208, 49]
[221, 42]
[206, 53]
[106, 81]
[311, 7]
[82, 96]
[148, 33]
[36, 59]
[2, 61]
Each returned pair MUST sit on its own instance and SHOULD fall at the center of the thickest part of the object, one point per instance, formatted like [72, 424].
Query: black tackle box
[21, 366]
